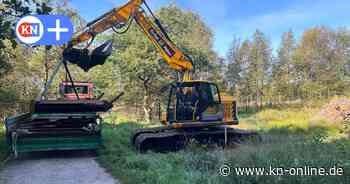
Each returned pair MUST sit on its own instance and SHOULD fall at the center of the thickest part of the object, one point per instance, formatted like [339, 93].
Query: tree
[282, 69]
[28, 68]
[11, 55]
[320, 61]
[10, 11]
[342, 59]
[192, 36]
[239, 60]
[234, 68]
[259, 68]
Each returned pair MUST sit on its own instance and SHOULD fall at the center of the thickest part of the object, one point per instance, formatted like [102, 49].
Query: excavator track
[160, 142]
[145, 131]
[162, 139]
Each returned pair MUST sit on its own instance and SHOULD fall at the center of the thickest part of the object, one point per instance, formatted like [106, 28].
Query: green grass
[293, 118]
[289, 139]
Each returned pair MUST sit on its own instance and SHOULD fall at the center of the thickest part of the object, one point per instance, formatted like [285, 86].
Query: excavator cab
[194, 101]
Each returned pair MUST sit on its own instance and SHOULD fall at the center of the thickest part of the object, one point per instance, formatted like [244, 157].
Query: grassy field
[290, 139]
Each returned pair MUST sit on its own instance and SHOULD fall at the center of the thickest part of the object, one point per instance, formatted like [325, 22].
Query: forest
[278, 90]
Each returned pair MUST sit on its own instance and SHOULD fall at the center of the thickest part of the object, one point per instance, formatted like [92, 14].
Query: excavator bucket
[86, 59]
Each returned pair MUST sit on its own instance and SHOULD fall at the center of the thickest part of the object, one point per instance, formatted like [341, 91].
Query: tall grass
[294, 118]
[288, 140]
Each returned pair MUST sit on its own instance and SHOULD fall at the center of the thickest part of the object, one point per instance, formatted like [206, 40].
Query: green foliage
[234, 67]
[5, 66]
[13, 74]
[8, 95]
[24, 70]
[282, 77]
[319, 137]
[320, 60]
[315, 66]
[249, 66]
[11, 10]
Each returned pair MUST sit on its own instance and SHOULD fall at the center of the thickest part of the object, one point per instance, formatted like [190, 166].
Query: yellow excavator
[195, 108]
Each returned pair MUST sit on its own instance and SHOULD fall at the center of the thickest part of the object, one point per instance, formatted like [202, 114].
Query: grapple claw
[87, 60]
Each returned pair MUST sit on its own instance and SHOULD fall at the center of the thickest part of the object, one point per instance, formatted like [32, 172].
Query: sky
[229, 19]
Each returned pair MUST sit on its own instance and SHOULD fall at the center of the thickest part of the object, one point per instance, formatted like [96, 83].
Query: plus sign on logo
[57, 30]
[44, 30]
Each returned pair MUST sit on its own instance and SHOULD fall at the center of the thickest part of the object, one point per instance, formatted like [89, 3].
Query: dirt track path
[55, 168]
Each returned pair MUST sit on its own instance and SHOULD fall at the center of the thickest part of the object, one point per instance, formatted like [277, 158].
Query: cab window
[215, 93]
[80, 89]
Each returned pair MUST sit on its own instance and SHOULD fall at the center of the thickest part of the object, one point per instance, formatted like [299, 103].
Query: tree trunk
[257, 96]
[147, 108]
[147, 101]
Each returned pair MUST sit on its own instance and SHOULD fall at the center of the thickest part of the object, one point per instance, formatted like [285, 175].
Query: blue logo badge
[44, 30]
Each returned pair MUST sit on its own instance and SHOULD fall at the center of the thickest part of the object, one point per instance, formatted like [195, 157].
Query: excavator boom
[120, 17]
[195, 109]
[116, 17]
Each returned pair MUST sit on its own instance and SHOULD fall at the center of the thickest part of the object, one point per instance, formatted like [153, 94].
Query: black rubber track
[164, 140]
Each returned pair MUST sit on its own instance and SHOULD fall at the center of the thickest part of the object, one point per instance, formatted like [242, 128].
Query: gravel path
[55, 168]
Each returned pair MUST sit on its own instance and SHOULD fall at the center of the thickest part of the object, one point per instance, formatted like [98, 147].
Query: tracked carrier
[57, 125]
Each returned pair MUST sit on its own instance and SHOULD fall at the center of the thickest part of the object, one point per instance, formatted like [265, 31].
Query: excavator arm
[116, 17]
[195, 109]
[121, 17]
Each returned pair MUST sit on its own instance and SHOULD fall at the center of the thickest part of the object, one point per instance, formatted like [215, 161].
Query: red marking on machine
[84, 90]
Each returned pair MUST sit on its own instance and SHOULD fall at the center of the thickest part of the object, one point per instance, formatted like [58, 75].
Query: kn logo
[37, 30]
[29, 30]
